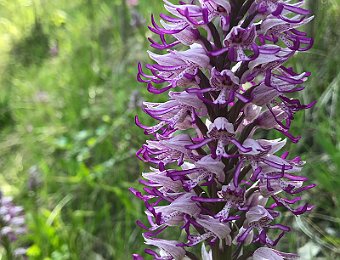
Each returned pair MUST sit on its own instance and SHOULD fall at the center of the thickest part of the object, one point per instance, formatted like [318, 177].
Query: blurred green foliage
[67, 134]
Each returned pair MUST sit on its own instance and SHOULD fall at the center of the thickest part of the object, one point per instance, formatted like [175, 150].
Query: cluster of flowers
[211, 176]
[12, 224]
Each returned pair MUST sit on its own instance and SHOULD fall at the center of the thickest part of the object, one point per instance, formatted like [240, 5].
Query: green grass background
[68, 139]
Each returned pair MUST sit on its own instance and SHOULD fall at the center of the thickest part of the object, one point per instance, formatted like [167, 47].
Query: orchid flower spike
[213, 177]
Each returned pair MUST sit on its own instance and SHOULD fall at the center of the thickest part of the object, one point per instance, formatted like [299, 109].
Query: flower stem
[222, 254]
[7, 246]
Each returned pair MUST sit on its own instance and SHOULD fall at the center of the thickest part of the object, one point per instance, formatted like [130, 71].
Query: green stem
[228, 252]
[224, 253]
[191, 255]
[216, 251]
[7, 246]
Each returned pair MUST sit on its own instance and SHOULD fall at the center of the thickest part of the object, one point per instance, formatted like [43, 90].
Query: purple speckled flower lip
[223, 66]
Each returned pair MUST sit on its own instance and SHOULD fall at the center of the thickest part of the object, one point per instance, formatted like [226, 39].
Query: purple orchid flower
[172, 214]
[234, 197]
[222, 132]
[179, 112]
[259, 218]
[227, 84]
[159, 179]
[279, 8]
[168, 249]
[213, 176]
[275, 29]
[177, 68]
[213, 230]
[179, 29]
[218, 8]
[238, 41]
[262, 154]
[167, 150]
[12, 225]
[224, 82]
[206, 168]
[270, 57]
[267, 253]
[271, 187]
[202, 14]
